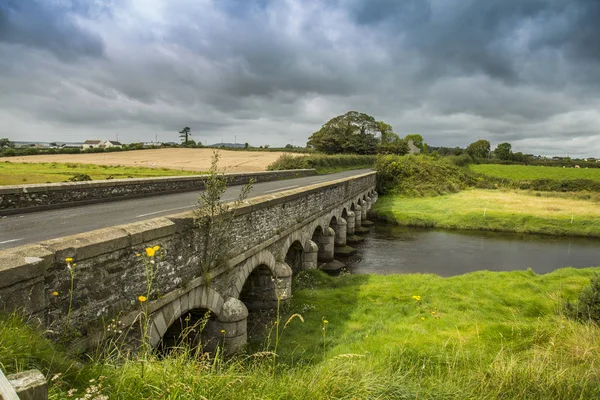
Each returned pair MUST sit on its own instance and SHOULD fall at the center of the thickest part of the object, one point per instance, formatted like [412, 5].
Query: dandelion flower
[138, 255]
[55, 293]
[222, 330]
[325, 321]
[423, 318]
[73, 265]
[156, 248]
[433, 313]
[142, 299]
[417, 298]
[69, 259]
[150, 251]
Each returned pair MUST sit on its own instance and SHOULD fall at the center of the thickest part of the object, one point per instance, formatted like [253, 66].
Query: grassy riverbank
[26, 173]
[529, 172]
[498, 210]
[483, 335]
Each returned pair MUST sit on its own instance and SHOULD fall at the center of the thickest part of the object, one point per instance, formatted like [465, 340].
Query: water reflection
[390, 249]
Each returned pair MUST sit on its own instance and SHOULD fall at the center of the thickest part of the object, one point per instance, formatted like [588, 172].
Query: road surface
[20, 229]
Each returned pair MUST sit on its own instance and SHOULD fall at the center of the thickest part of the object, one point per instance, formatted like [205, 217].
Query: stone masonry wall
[21, 198]
[109, 276]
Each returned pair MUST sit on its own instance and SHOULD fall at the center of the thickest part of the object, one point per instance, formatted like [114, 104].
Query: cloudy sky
[273, 71]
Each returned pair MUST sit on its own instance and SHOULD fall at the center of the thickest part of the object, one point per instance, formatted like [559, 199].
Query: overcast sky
[522, 71]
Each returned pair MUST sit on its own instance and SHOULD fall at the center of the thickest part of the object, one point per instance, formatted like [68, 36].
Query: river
[391, 249]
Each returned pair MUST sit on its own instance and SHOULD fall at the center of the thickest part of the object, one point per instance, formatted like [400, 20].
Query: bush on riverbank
[414, 176]
[323, 163]
[479, 335]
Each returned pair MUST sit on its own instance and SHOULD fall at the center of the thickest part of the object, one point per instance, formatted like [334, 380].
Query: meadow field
[26, 173]
[483, 335]
[529, 172]
[170, 158]
[498, 210]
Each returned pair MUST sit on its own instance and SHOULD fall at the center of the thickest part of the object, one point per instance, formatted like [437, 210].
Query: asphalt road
[20, 229]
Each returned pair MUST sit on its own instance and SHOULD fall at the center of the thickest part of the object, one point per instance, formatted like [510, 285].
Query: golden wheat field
[186, 159]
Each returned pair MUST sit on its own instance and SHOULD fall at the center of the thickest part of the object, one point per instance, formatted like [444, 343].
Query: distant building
[152, 144]
[412, 149]
[111, 143]
[91, 144]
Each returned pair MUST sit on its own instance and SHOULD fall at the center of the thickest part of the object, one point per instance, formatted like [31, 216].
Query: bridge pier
[340, 232]
[363, 211]
[358, 217]
[233, 324]
[311, 251]
[326, 243]
[350, 220]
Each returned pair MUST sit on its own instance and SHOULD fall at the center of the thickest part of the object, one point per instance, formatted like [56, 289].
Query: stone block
[149, 230]
[29, 385]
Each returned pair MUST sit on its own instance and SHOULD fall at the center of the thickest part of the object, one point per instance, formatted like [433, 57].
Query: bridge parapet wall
[109, 276]
[25, 198]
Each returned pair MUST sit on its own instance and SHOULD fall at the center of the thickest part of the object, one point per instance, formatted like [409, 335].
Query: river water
[391, 249]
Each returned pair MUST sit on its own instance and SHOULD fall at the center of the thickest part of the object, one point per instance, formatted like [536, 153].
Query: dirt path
[187, 159]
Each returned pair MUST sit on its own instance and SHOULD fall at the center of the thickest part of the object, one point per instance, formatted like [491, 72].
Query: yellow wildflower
[417, 298]
[55, 293]
[433, 313]
[142, 299]
[156, 248]
[138, 255]
[222, 330]
[150, 251]
[325, 321]
[69, 259]
[73, 265]
[423, 318]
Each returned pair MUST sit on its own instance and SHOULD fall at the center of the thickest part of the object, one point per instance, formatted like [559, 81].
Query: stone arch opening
[197, 329]
[258, 292]
[295, 256]
[317, 234]
[344, 213]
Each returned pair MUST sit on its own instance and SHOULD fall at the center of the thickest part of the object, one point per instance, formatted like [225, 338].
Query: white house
[111, 143]
[91, 144]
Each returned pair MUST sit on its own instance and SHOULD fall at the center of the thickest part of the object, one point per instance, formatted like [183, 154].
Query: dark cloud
[47, 26]
[526, 71]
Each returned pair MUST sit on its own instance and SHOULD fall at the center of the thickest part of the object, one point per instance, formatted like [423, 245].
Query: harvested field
[182, 159]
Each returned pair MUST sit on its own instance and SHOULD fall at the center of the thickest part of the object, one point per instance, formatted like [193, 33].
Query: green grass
[529, 172]
[484, 335]
[26, 173]
[497, 210]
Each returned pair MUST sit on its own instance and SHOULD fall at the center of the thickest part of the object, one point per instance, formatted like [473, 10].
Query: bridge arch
[195, 303]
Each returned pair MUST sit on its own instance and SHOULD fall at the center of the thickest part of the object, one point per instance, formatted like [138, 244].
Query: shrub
[9, 152]
[587, 308]
[318, 161]
[412, 175]
[80, 178]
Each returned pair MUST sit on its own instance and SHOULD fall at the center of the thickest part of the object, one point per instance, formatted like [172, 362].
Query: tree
[352, 132]
[184, 134]
[479, 149]
[246, 145]
[391, 142]
[503, 151]
[4, 142]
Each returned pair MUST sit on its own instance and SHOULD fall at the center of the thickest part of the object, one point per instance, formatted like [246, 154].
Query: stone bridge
[274, 237]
